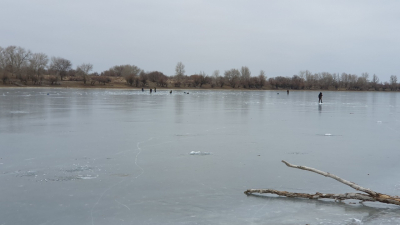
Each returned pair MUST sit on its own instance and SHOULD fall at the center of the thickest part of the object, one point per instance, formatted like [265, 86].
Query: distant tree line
[135, 76]
[23, 65]
[233, 78]
[307, 80]
[19, 64]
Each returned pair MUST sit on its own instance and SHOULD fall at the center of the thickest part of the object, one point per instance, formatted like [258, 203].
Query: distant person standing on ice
[320, 97]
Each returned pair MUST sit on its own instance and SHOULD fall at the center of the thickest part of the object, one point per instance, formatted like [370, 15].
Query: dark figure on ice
[151, 90]
[320, 97]
[170, 92]
[287, 91]
[155, 89]
[142, 89]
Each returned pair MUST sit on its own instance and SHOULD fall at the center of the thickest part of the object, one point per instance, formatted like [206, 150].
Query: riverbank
[116, 83]
[120, 83]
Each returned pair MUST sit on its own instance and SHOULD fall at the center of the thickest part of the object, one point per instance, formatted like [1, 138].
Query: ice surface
[123, 157]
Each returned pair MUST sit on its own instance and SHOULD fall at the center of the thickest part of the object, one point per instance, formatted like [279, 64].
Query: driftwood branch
[370, 195]
[351, 184]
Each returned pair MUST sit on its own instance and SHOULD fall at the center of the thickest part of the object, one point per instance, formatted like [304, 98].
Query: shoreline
[124, 86]
[146, 89]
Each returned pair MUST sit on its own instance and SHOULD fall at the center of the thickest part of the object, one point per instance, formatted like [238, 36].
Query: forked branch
[370, 196]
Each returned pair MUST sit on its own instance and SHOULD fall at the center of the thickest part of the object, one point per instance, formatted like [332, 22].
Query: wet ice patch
[18, 112]
[26, 173]
[78, 169]
[327, 134]
[199, 153]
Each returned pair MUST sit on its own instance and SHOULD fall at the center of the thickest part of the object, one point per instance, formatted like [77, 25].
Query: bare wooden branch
[351, 184]
[359, 196]
[371, 196]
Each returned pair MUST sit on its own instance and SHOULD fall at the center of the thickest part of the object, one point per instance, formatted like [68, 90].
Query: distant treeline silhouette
[20, 65]
[307, 80]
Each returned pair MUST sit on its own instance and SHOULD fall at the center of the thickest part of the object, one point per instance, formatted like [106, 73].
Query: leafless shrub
[5, 78]
[143, 78]
[83, 70]
[35, 79]
[162, 81]
[177, 84]
[53, 79]
[23, 79]
[130, 79]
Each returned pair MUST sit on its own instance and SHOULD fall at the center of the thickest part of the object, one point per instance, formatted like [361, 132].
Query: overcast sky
[280, 37]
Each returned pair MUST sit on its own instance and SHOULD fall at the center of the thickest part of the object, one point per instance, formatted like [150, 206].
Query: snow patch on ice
[87, 177]
[199, 153]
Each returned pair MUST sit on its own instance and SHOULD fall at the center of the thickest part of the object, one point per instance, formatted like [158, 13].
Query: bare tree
[60, 65]
[393, 82]
[130, 79]
[232, 77]
[155, 76]
[302, 74]
[118, 70]
[53, 79]
[365, 76]
[143, 78]
[83, 70]
[214, 78]
[130, 70]
[195, 80]
[375, 81]
[204, 79]
[179, 71]
[3, 66]
[37, 64]
[15, 57]
[245, 76]
[309, 77]
[2, 59]
[262, 78]
[221, 81]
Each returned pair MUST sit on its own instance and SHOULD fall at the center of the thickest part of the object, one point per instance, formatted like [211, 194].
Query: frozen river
[99, 157]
